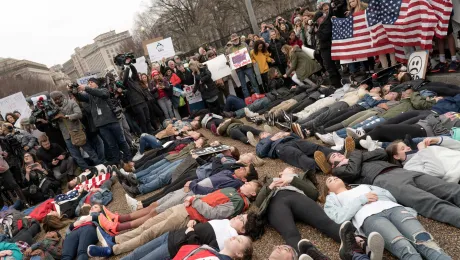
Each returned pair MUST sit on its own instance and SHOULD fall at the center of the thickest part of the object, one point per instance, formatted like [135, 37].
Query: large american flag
[390, 25]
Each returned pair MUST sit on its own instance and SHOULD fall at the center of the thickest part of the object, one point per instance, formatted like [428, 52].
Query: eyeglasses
[241, 218]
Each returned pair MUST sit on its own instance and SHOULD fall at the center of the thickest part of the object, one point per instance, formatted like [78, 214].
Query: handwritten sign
[84, 81]
[161, 49]
[418, 62]
[218, 67]
[14, 102]
[211, 150]
[190, 96]
[239, 59]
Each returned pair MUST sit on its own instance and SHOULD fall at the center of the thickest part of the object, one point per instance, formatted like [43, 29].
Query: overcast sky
[47, 31]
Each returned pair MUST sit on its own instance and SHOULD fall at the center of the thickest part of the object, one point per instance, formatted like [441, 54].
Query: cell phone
[34, 165]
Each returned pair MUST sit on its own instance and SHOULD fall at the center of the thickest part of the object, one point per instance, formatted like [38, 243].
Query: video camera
[120, 59]
[44, 110]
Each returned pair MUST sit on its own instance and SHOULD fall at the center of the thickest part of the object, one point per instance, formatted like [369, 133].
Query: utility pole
[252, 16]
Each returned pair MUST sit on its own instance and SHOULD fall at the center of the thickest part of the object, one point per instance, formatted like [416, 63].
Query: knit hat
[297, 19]
[92, 80]
[155, 72]
[234, 36]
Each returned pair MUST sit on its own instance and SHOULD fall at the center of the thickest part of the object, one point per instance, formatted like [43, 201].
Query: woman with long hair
[293, 40]
[155, 111]
[301, 64]
[162, 91]
[11, 118]
[261, 56]
[206, 85]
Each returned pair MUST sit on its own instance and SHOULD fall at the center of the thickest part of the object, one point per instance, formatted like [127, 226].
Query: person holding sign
[243, 71]
[206, 86]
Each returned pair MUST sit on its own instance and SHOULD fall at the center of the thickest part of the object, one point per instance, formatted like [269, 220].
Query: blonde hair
[362, 6]
[195, 66]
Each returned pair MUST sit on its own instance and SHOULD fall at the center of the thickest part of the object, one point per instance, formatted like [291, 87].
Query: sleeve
[197, 189]
[263, 147]
[175, 80]
[98, 92]
[263, 194]
[325, 31]
[201, 161]
[450, 143]
[134, 74]
[76, 112]
[206, 75]
[341, 214]
[221, 211]
[82, 97]
[307, 187]
[420, 103]
[252, 56]
[293, 64]
[350, 172]
[384, 192]
[126, 76]
[376, 155]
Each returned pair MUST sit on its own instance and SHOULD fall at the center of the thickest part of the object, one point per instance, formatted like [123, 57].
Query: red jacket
[196, 252]
[40, 212]
[175, 80]
[295, 42]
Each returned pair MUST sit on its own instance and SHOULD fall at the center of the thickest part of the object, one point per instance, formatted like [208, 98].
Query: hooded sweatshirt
[71, 109]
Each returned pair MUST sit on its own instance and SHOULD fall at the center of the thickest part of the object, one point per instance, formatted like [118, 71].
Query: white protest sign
[239, 58]
[418, 62]
[84, 80]
[192, 97]
[14, 102]
[161, 49]
[218, 67]
[140, 65]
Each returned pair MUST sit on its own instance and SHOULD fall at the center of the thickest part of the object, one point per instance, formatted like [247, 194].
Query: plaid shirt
[22, 246]
[52, 248]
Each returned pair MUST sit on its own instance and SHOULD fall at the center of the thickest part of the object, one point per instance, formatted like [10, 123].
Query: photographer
[136, 98]
[56, 158]
[41, 121]
[26, 141]
[68, 119]
[6, 179]
[105, 119]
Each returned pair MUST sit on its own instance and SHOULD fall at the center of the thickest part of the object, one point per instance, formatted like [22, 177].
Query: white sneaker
[355, 133]
[370, 144]
[124, 172]
[137, 156]
[251, 139]
[375, 244]
[326, 138]
[305, 257]
[268, 129]
[339, 141]
[132, 203]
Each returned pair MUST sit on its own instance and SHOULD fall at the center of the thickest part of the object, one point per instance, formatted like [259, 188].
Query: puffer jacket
[205, 84]
[275, 49]
[324, 32]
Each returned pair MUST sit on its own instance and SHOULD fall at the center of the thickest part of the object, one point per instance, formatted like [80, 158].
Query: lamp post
[252, 16]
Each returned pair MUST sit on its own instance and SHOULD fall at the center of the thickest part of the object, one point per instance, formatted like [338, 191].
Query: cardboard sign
[84, 81]
[418, 62]
[218, 67]
[140, 65]
[161, 49]
[239, 59]
[14, 102]
[190, 96]
[210, 150]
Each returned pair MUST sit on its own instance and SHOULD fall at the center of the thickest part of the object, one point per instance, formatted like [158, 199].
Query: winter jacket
[303, 65]
[25, 139]
[340, 213]
[167, 91]
[47, 156]
[413, 84]
[439, 160]
[205, 170]
[71, 109]
[196, 252]
[134, 95]
[296, 42]
[447, 104]
[98, 98]
[435, 125]
[174, 79]
[267, 147]
[363, 167]
[262, 59]
[220, 204]
[40, 211]
[185, 77]
[205, 84]
[275, 49]
[324, 32]
[224, 179]
[415, 102]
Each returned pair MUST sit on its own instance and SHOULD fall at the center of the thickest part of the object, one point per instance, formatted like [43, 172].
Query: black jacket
[98, 99]
[185, 77]
[134, 95]
[363, 167]
[207, 87]
[275, 49]
[324, 32]
[203, 234]
[47, 156]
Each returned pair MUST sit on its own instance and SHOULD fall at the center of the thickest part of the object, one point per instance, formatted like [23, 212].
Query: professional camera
[10, 144]
[120, 59]
[44, 110]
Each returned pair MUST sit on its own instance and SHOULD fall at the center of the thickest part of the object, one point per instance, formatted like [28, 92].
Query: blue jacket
[267, 147]
[223, 179]
[205, 170]
[447, 104]
[369, 102]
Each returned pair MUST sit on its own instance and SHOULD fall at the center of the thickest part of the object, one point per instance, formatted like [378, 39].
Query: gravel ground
[448, 237]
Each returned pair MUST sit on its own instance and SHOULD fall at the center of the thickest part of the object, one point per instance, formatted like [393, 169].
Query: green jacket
[303, 65]
[182, 154]
[415, 102]
[266, 194]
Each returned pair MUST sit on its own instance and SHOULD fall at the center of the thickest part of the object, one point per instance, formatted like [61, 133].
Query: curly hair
[255, 226]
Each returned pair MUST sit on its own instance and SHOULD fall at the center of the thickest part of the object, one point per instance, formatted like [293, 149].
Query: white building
[22, 69]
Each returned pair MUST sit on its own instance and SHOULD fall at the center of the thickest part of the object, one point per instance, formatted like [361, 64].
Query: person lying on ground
[49, 248]
[373, 209]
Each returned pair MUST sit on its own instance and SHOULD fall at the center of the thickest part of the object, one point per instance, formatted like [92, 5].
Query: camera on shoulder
[120, 59]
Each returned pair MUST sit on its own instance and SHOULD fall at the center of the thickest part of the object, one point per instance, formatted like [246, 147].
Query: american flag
[392, 25]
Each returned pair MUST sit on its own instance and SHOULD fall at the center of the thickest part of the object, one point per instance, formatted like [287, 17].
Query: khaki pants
[171, 219]
[285, 105]
[324, 102]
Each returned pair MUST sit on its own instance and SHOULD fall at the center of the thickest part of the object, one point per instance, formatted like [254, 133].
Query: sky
[48, 31]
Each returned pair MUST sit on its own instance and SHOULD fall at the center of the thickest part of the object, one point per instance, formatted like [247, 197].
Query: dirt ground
[448, 237]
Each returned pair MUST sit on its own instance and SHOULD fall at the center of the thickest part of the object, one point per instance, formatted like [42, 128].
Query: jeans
[151, 168]
[113, 136]
[404, 236]
[234, 103]
[367, 124]
[158, 180]
[76, 243]
[165, 167]
[148, 141]
[166, 106]
[76, 154]
[247, 71]
[358, 256]
[258, 104]
[155, 249]
[97, 144]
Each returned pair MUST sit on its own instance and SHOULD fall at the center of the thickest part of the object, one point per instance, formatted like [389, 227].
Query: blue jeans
[155, 249]
[358, 256]
[113, 136]
[367, 125]
[404, 236]
[164, 168]
[257, 105]
[148, 141]
[234, 103]
[157, 181]
[76, 154]
[150, 169]
[98, 145]
[247, 71]
[76, 243]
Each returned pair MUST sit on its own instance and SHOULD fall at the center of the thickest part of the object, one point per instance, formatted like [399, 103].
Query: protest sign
[418, 62]
[190, 96]
[141, 66]
[239, 58]
[210, 150]
[84, 80]
[218, 67]
[161, 49]
[14, 102]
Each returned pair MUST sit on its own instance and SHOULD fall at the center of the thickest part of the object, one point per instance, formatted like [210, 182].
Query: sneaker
[132, 180]
[305, 257]
[349, 145]
[132, 203]
[122, 171]
[355, 133]
[322, 162]
[99, 251]
[370, 144]
[376, 245]
[252, 141]
[108, 226]
[338, 141]
[439, 68]
[105, 239]
[454, 65]
[214, 129]
[110, 215]
[306, 247]
[296, 128]
[132, 191]
[348, 245]
[326, 138]
[137, 156]
[258, 161]
[268, 129]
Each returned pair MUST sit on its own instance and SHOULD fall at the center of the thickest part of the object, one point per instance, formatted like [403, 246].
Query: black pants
[214, 107]
[264, 77]
[239, 133]
[324, 115]
[331, 68]
[287, 207]
[408, 118]
[299, 153]
[342, 115]
[8, 183]
[156, 114]
[301, 105]
[390, 133]
[27, 234]
[142, 115]
[178, 184]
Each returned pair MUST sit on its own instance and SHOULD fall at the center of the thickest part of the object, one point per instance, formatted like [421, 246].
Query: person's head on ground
[44, 142]
[247, 158]
[195, 125]
[92, 83]
[397, 151]
[336, 159]
[232, 152]
[53, 222]
[407, 93]
[249, 224]
[53, 235]
[250, 189]
[335, 184]
[274, 73]
[403, 77]
[239, 247]
[392, 96]
[201, 142]
[194, 134]
[283, 252]
[288, 171]
[260, 46]
[246, 173]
